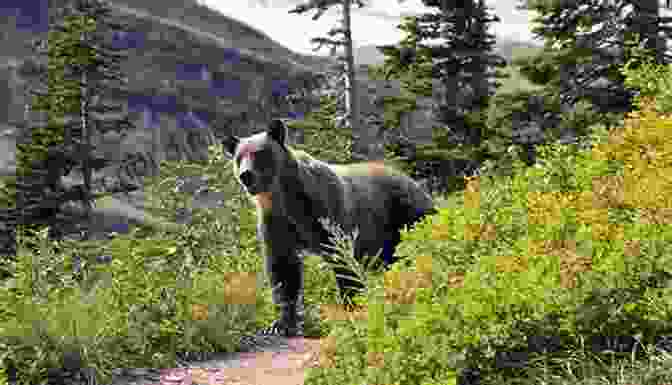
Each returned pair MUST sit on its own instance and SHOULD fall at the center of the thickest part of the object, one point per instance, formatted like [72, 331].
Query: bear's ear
[230, 143]
[277, 130]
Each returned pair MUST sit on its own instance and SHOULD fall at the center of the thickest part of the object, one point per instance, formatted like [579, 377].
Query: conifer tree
[463, 65]
[577, 72]
[81, 68]
[364, 135]
[585, 44]
[409, 62]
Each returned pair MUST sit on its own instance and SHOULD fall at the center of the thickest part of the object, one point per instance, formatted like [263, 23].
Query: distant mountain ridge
[369, 54]
[196, 15]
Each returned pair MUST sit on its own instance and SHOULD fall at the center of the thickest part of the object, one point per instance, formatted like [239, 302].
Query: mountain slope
[369, 54]
[173, 33]
[198, 17]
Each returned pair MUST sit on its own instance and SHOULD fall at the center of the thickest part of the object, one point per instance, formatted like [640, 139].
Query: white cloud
[374, 24]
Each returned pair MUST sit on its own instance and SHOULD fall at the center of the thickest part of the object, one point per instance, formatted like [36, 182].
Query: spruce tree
[81, 68]
[577, 72]
[364, 135]
[466, 65]
[410, 63]
[586, 42]
[463, 65]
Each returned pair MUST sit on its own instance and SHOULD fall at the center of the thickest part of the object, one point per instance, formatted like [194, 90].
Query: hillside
[202, 19]
[181, 111]
[369, 54]
[171, 34]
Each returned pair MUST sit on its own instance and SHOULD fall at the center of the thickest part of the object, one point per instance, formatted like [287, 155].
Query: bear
[293, 192]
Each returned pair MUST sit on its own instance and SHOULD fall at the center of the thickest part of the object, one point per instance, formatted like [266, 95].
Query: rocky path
[284, 363]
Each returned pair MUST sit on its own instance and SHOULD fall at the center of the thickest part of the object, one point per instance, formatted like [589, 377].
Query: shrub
[649, 79]
[164, 291]
[576, 248]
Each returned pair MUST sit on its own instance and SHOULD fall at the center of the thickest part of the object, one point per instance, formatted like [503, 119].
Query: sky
[374, 24]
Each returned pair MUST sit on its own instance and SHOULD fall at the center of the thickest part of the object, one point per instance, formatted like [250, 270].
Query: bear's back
[363, 189]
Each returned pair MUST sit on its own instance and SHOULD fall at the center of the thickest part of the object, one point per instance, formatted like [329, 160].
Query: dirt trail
[276, 365]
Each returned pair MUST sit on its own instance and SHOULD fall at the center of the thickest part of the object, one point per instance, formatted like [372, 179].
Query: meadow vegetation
[559, 273]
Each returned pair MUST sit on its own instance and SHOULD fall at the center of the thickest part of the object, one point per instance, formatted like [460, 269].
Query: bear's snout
[248, 179]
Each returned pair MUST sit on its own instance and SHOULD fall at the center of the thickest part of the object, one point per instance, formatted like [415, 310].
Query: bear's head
[259, 159]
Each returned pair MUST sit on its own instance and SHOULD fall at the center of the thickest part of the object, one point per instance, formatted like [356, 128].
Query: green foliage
[65, 93]
[148, 303]
[576, 247]
[230, 228]
[322, 139]
[395, 107]
[436, 153]
[509, 112]
[48, 151]
[506, 106]
[539, 68]
[513, 279]
[136, 311]
[514, 81]
[575, 57]
[512, 78]
[415, 77]
[643, 74]
[465, 65]
[191, 288]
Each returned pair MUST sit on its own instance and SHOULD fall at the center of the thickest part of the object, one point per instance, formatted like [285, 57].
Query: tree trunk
[646, 24]
[86, 133]
[364, 137]
[157, 151]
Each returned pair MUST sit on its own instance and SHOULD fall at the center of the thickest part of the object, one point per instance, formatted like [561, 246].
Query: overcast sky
[375, 24]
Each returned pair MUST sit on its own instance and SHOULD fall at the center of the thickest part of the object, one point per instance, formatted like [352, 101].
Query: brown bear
[293, 191]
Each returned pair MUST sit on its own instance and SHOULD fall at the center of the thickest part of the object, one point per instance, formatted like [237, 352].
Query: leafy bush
[228, 229]
[510, 111]
[137, 311]
[571, 224]
[575, 249]
[650, 79]
[162, 292]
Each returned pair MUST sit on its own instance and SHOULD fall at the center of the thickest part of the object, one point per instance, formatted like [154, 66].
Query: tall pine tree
[410, 62]
[364, 136]
[585, 44]
[82, 67]
[464, 66]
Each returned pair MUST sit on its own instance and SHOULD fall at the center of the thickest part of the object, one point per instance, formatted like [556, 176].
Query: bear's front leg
[285, 271]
